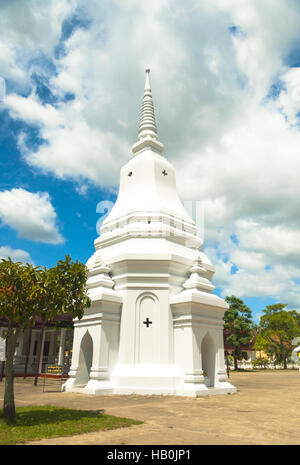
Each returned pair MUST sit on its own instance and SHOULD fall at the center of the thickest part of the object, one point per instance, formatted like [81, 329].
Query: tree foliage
[278, 328]
[238, 323]
[28, 294]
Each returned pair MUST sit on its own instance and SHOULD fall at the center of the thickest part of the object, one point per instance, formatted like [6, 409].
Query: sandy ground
[265, 410]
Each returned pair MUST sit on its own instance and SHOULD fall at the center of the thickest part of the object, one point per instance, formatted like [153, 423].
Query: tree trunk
[9, 411]
[39, 355]
[235, 363]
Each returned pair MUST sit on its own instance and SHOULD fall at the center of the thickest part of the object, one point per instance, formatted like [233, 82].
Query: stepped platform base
[185, 390]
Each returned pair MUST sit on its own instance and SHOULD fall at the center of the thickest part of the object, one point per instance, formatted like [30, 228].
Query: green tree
[28, 293]
[18, 284]
[62, 289]
[278, 329]
[271, 310]
[238, 326]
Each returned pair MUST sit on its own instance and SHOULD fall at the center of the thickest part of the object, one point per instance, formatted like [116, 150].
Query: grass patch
[47, 421]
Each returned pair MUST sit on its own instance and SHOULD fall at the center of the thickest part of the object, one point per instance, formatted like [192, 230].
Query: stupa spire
[147, 123]
[147, 134]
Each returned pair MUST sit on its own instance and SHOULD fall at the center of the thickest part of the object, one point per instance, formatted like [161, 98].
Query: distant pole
[62, 344]
[3, 361]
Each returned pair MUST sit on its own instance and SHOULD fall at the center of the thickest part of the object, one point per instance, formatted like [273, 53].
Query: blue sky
[226, 86]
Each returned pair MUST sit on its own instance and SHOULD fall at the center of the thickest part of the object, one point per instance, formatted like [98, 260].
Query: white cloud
[270, 29]
[30, 214]
[276, 241]
[254, 264]
[28, 29]
[33, 112]
[289, 98]
[251, 261]
[8, 64]
[65, 156]
[18, 255]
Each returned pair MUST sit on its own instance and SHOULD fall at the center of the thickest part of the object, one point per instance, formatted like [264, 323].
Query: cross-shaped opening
[147, 322]
[130, 173]
[164, 173]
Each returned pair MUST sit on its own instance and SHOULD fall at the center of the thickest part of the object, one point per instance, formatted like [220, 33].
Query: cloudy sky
[225, 78]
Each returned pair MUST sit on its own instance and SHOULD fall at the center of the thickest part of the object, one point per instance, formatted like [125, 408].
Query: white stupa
[154, 326]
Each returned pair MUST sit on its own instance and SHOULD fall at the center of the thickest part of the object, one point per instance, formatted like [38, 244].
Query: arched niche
[147, 307]
[208, 356]
[85, 360]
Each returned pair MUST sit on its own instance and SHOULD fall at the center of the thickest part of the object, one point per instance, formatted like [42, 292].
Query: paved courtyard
[265, 410]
